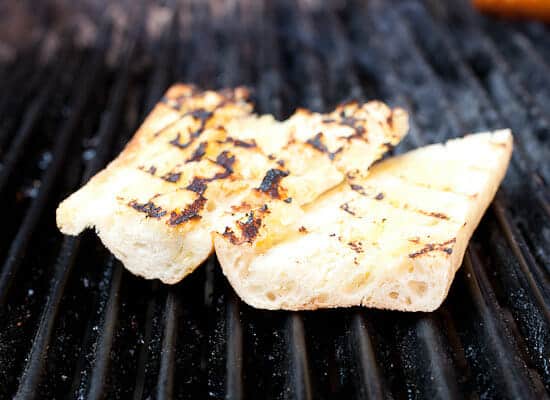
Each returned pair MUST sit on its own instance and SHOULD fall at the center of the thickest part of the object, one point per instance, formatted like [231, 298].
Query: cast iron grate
[74, 324]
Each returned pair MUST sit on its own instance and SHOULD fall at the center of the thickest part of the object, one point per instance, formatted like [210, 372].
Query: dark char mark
[172, 177]
[317, 143]
[434, 247]
[199, 152]
[270, 183]
[149, 208]
[249, 230]
[190, 212]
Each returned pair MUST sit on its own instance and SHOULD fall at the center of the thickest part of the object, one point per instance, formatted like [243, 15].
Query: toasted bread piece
[392, 240]
[200, 154]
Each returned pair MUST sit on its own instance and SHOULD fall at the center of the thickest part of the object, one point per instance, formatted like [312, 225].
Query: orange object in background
[539, 9]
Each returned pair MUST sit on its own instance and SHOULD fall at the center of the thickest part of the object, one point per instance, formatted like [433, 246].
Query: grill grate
[76, 324]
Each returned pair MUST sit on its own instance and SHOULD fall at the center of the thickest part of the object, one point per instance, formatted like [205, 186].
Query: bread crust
[201, 157]
[393, 240]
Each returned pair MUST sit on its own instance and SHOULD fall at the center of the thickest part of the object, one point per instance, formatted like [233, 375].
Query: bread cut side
[391, 240]
[201, 156]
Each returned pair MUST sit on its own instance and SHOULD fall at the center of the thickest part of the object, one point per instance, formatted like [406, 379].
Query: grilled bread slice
[201, 153]
[392, 240]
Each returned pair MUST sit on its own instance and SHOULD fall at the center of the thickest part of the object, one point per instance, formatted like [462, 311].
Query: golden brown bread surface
[202, 156]
[393, 239]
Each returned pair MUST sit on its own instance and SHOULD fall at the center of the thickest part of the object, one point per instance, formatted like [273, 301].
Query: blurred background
[78, 77]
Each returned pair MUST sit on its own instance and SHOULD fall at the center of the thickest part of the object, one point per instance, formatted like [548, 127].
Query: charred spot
[379, 196]
[226, 160]
[317, 143]
[358, 188]
[389, 146]
[198, 185]
[271, 157]
[151, 170]
[241, 143]
[191, 212]
[270, 183]
[199, 152]
[172, 177]
[201, 114]
[264, 209]
[288, 200]
[415, 240]
[249, 230]
[434, 247]
[281, 163]
[356, 246]
[149, 208]
[332, 234]
[302, 229]
[176, 142]
[347, 209]
[434, 214]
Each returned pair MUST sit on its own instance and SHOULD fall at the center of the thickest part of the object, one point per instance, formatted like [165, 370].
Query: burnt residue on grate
[76, 324]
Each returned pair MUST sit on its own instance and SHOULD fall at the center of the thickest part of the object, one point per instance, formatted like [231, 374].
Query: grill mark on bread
[270, 183]
[199, 152]
[434, 214]
[171, 177]
[191, 212]
[317, 144]
[198, 185]
[434, 247]
[149, 208]
[347, 209]
[240, 143]
[249, 230]
[356, 246]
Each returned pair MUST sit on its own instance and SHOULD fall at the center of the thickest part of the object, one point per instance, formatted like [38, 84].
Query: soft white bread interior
[392, 240]
[201, 156]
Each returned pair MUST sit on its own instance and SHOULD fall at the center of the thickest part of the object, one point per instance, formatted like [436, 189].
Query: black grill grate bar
[27, 227]
[527, 268]
[512, 372]
[445, 382]
[299, 385]
[371, 381]
[24, 132]
[65, 262]
[165, 382]
[234, 350]
[30, 377]
[98, 378]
